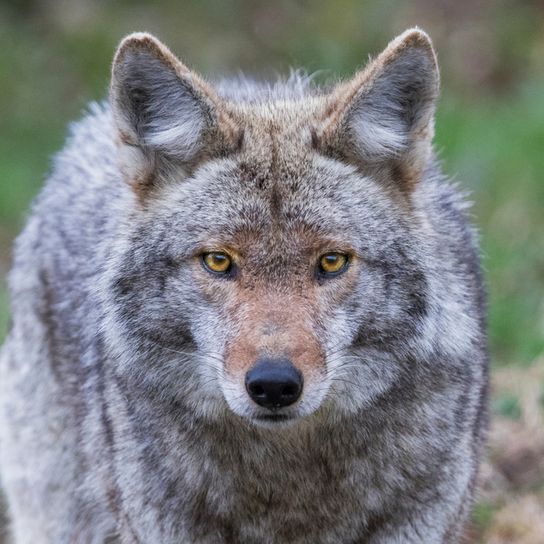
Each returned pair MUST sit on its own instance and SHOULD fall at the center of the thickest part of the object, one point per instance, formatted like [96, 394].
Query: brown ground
[510, 509]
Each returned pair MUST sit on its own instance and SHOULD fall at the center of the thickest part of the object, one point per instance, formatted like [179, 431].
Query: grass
[495, 149]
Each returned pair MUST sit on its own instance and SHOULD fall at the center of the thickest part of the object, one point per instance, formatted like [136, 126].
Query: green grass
[506, 405]
[482, 515]
[495, 149]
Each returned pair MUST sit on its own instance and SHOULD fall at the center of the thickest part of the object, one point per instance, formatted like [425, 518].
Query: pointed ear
[162, 110]
[386, 112]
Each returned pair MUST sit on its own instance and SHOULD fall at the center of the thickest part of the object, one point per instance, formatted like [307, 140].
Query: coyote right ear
[386, 112]
[162, 110]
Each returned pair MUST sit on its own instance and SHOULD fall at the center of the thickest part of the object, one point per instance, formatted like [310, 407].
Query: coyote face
[270, 243]
[288, 266]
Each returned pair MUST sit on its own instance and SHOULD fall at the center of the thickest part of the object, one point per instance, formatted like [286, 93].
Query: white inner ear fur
[378, 136]
[181, 139]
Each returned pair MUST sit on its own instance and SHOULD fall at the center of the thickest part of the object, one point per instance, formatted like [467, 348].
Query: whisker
[207, 354]
[345, 381]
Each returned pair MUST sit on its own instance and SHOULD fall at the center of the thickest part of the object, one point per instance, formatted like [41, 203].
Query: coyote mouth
[273, 417]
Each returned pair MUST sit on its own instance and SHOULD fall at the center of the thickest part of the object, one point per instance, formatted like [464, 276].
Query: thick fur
[123, 412]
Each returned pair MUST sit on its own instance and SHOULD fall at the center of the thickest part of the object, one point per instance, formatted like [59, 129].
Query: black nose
[274, 383]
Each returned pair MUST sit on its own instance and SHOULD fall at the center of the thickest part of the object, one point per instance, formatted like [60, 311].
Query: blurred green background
[55, 57]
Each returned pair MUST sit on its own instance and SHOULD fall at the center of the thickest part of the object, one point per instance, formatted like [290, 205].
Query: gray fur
[119, 416]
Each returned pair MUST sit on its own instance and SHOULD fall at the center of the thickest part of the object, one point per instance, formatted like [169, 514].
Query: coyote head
[270, 259]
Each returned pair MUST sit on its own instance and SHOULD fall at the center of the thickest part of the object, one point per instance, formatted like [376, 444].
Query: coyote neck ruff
[246, 313]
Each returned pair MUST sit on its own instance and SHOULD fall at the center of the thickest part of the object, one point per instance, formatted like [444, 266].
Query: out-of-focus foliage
[55, 57]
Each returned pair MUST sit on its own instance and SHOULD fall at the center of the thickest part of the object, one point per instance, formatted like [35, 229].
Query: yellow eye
[217, 262]
[333, 263]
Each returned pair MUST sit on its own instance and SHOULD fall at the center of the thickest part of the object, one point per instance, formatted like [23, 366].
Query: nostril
[256, 389]
[289, 390]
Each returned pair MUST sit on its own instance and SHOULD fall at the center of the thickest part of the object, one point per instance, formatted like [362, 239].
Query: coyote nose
[274, 383]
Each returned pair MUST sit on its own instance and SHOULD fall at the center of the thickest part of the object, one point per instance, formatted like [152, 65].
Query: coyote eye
[217, 262]
[332, 264]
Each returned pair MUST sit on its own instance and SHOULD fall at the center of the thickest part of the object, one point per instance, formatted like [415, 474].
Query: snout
[274, 383]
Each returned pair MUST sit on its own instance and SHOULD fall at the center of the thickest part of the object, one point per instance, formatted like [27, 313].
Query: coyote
[246, 313]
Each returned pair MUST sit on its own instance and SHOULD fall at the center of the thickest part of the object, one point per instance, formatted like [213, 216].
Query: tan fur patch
[276, 327]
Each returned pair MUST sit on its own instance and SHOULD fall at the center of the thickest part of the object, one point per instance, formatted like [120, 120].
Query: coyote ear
[162, 110]
[386, 112]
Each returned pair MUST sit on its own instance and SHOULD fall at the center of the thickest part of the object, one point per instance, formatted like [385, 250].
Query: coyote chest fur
[246, 313]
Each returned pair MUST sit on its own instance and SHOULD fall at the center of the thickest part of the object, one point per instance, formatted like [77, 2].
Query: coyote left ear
[164, 112]
[386, 112]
